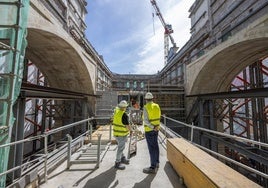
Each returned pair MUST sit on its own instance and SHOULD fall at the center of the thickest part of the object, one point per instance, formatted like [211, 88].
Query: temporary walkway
[93, 166]
[85, 175]
[90, 162]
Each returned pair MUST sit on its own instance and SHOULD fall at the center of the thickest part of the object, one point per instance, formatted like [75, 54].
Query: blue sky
[129, 38]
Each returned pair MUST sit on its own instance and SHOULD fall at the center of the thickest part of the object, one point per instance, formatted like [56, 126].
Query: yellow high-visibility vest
[154, 114]
[119, 129]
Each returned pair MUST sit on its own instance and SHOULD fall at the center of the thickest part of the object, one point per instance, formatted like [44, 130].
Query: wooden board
[105, 135]
[199, 169]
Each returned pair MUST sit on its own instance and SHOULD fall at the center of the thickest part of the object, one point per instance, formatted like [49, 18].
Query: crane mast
[167, 33]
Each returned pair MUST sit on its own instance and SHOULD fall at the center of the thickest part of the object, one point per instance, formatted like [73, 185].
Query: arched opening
[219, 71]
[59, 61]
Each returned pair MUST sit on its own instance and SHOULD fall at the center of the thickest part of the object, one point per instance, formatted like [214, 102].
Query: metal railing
[42, 161]
[169, 133]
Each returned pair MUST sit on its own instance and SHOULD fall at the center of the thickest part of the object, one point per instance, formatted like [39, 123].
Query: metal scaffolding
[241, 112]
[13, 23]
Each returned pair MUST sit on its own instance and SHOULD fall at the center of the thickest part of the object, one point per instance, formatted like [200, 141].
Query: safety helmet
[149, 95]
[123, 104]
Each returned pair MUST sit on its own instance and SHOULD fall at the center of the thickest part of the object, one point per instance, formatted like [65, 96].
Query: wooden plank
[191, 175]
[105, 135]
[199, 169]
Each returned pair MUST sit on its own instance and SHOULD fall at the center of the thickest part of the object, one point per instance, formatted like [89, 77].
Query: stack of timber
[199, 169]
[106, 135]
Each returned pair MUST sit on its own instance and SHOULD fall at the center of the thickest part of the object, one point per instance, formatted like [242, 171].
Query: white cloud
[150, 64]
[152, 52]
[178, 16]
[130, 40]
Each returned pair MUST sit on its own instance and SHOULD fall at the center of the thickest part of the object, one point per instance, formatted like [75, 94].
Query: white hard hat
[123, 104]
[149, 95]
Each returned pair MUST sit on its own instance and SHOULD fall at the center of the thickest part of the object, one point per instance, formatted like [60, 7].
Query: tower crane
[167, 33]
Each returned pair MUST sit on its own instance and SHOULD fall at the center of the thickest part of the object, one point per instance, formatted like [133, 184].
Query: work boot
[124, 160]
[119, 166]
[150, 170]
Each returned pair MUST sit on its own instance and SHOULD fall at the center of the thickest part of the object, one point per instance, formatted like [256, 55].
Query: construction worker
[121, 129]
[151, 122]
[135, 105]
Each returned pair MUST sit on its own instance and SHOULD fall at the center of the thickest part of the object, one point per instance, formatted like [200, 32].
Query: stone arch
[59, 61]
[215, 71]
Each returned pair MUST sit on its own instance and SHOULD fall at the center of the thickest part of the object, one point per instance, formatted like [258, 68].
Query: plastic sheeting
[13, 31]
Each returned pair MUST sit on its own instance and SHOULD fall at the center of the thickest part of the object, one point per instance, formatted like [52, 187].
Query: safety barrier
[199, 169]
[45, 161]
[90, 159]
[171, 134]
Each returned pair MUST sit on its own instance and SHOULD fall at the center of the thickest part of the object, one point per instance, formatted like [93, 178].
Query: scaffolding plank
[105, 135]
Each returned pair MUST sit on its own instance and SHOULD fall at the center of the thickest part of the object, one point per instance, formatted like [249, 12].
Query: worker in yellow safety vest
[151, 122]
[121, 129]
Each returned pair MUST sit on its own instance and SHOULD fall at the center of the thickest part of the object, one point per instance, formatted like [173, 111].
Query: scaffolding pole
[13, 25]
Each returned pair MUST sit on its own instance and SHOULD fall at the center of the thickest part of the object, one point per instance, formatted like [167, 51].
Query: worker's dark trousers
[151, 138]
